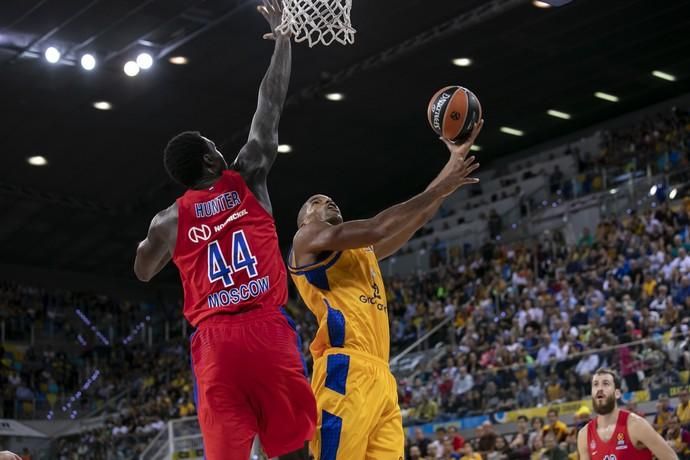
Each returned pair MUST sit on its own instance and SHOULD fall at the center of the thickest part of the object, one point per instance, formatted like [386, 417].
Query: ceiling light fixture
[606, 96]
[178, 60]
[559, 114]
[144, 61]
[335, 96]
[52, 55]
[539, 4]
[88, 62]
[664, 75]
[284, 148]
[512, 131]
[131, 69]
[37, 160]
[475, 148]
[462, 62]
[102, 105]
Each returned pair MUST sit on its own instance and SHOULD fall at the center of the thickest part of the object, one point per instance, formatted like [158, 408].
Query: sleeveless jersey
[346, 294]
[227, 251]
[619, 447]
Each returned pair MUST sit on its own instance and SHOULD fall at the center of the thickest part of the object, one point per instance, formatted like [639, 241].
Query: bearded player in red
[616, 434]
[250, 377]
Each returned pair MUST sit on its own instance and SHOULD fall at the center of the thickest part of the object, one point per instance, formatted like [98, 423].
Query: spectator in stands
[469, 453]
[677, 437]
[421, 441]
[415, 453]
[500, 450]
[552, 450]
[456, 438]
[683, 409]
[487, 438]
[427, 410]
[521, 438]
[538, 449]
[556, 426]
[664, 411]
[537, 424]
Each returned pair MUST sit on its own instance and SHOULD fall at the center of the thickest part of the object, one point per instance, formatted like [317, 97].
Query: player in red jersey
[616, 434]
[250, 376]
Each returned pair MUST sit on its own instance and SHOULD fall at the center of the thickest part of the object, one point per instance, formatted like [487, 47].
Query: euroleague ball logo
[437, 109]
[455, 116]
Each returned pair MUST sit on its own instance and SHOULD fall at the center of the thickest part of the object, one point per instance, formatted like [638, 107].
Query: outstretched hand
[272, 11]
[463, 149]
[7, 455]
[461, 167]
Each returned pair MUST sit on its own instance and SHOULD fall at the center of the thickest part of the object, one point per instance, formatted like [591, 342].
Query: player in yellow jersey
[334, 265]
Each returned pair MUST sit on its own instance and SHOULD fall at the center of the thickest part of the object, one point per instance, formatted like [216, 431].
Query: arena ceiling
[89, 206]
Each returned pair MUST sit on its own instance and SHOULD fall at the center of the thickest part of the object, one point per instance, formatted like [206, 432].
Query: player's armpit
[641, 432]
[582, 452]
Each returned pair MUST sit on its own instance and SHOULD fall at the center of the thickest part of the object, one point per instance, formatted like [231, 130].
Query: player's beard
[605, 407]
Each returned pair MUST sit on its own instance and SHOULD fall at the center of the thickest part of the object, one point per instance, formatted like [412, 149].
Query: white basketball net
[318, 21]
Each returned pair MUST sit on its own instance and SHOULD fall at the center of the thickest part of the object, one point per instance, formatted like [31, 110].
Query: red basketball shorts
[251, 379]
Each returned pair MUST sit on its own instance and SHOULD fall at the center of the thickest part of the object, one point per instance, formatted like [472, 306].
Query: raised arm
[392, 243]
[259, 153]
[155, 251]
[318, 237]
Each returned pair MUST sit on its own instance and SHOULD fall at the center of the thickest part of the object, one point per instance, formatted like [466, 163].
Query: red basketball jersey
[227, 251]
[619, 447]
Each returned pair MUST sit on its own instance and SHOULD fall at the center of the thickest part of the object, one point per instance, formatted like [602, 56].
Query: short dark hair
[523, 417]
[184, 156]
[612, 373]
[553, 410]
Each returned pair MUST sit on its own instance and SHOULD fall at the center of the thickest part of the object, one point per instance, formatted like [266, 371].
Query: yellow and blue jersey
[346, 294]
[356, 394]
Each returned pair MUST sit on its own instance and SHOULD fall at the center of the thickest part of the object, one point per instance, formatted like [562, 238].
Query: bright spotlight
[462, 62]
[131, 69]
[540, 4]
[102, 105]
[335, 96]
[37, 160]
[284, 148]
[178, 60]
[652, 191]
[606, 96]
[144, 61]
[673, 194]
[52, 55]
[88, 62]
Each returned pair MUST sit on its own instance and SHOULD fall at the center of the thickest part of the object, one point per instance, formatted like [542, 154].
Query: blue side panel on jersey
[292, 324]
[317, 275]
[318, 278]
[336, 326]
[337, 367]
[331, 427]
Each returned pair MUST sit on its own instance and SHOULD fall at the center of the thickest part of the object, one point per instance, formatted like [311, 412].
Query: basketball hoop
[318, 21]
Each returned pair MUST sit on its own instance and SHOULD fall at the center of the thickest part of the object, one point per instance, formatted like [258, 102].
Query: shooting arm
[318, 237]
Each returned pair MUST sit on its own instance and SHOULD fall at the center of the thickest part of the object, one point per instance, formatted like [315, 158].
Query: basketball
[453, 111]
